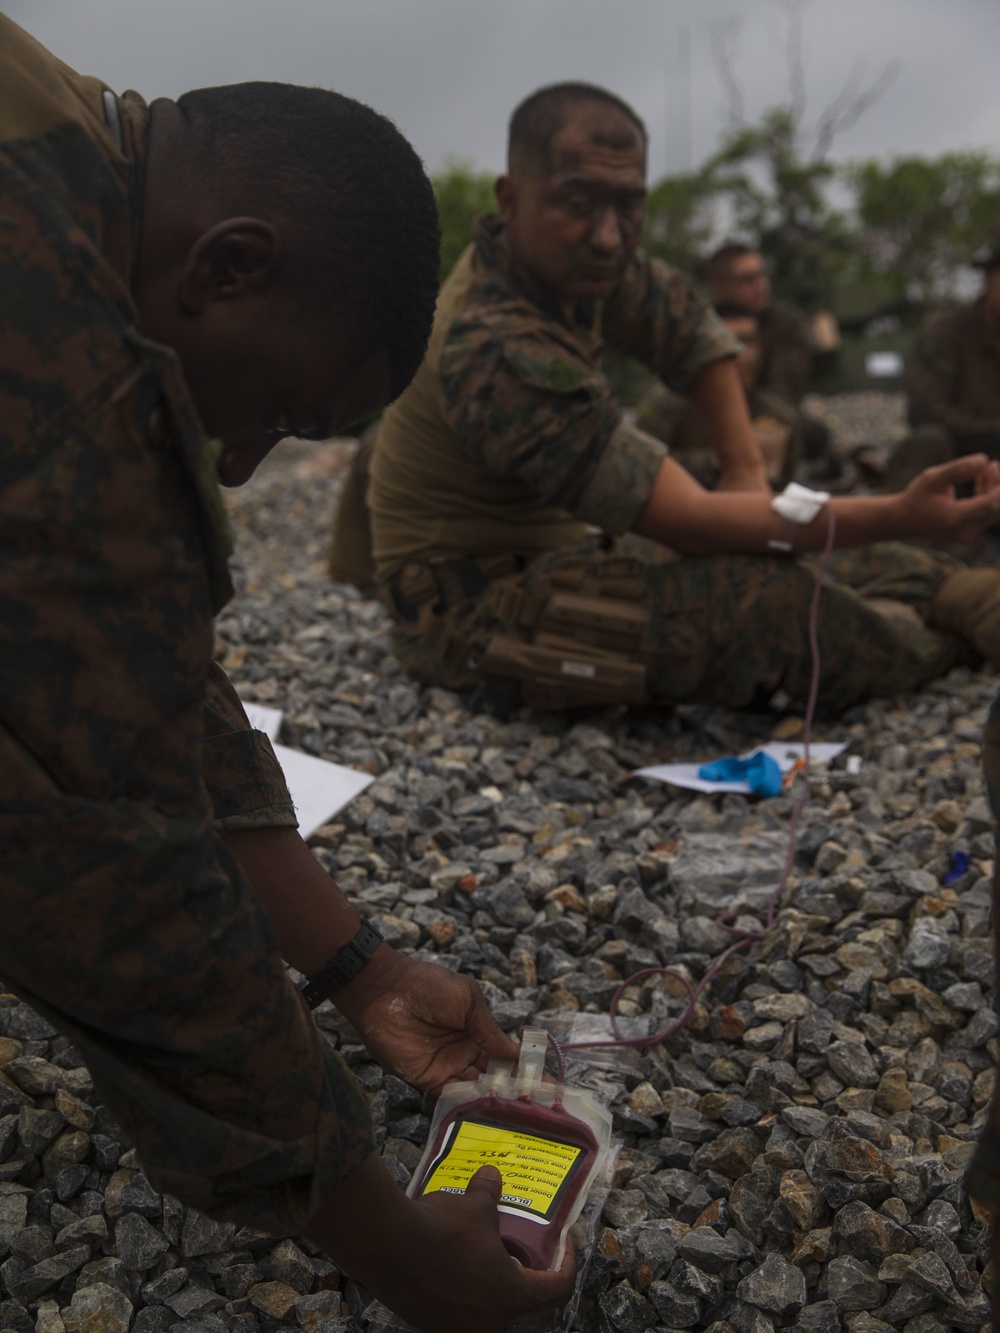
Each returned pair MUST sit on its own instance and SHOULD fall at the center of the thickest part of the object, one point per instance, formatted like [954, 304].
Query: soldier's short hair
[347, 192]
[719, 260]
[535, 122]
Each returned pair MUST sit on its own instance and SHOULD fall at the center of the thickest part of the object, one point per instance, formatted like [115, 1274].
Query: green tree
[462, 194]
[921, 219]
[681, 218]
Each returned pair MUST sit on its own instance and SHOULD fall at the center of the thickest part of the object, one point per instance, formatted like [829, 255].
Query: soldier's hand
[436, 1261]
[745, 477]
[932, 508]
[424, 1023]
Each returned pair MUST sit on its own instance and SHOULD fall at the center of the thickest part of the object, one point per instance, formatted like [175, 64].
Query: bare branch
[795, 56]
[724, 35]
[850, 105]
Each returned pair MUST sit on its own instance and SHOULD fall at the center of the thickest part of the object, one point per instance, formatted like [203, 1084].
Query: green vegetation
[462, 194]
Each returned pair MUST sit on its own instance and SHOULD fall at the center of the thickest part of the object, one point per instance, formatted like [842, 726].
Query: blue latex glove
[760, 772]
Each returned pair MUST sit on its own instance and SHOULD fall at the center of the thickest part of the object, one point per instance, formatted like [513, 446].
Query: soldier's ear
[235, 258]
[505, 189]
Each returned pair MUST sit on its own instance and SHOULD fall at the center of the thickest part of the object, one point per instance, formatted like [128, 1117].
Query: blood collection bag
[548, 1141]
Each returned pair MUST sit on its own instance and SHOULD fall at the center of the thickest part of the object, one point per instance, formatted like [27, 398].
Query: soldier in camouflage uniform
[491, 472]
[795, 446]
[953, 383]
[737, 275]
[151, 289]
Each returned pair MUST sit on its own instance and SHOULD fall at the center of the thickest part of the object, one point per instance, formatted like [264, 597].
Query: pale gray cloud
[449, 71]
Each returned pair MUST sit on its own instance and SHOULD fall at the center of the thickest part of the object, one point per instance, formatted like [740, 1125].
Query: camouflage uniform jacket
[509, 439]
[953, 376]
[125, 919]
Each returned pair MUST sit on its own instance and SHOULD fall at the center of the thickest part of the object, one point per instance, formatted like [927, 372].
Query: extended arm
[683, 515]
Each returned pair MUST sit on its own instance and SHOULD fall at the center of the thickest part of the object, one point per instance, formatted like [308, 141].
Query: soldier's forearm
[719, 396]
[310, 916]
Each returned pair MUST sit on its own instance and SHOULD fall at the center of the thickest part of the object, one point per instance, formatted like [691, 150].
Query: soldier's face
[271, 372]
[744, 283]
[575, 223]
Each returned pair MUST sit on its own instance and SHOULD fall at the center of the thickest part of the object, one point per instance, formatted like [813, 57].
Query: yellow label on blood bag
[534, 1169]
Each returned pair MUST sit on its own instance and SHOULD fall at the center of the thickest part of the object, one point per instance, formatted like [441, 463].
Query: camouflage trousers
[982, 1178]
[726, 629]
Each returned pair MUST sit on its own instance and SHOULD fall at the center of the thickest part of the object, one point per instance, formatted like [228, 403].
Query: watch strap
[345, 964]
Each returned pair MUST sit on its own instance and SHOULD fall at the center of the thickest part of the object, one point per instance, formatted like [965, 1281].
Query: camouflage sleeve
[656, 316]
[240, 769]
[933, 377]
[529, 406]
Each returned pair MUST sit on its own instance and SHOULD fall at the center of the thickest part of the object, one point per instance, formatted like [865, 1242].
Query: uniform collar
[505, 278]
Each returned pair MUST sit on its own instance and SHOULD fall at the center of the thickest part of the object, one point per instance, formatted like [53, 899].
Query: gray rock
[36, 1128]
[287, 1263]
[202, 1235]
[853, 1284]
[138, 1242]
[623, 1208]
[91, 1231]
[906, 1302]
[138, 1196]
[866, 1234]
[776, 1286]
[98, 1309]
[675, 1309]
[42, 1277]
[625, 1310]
[154, 1319]
[820, 1317]
[928, 945]
[707, 1250]
[851, 1063]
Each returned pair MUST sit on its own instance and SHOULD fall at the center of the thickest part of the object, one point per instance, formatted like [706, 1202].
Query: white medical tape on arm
[796, 505]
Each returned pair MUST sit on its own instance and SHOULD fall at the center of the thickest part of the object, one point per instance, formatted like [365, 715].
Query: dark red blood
[532, 1243]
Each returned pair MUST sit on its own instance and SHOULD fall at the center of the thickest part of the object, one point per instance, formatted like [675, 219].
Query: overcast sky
[449, 71]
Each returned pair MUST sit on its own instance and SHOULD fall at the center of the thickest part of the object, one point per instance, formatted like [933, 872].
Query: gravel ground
[792, 1160]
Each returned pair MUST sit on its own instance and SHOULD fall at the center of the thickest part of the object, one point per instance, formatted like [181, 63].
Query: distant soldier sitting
[795, 446]
[492, 472]
[953, 383]
[737, 276]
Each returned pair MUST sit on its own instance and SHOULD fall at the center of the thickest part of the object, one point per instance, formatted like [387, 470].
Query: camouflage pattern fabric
[241, 772]
[721, 628]
[125, 920]
[785, 352]
[509, 438]
[982, 1179]
[953, 379]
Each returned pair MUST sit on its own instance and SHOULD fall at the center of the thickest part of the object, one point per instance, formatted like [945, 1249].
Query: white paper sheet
[267, 720]
[319, 789]
[784, 754]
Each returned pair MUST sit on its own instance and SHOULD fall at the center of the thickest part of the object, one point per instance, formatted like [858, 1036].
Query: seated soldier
[491, 471]
[794, 445]
[252, 261]
[737, 276]
[952, 383]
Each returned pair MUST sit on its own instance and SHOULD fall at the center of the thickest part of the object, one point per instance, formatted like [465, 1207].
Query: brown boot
[968, 604]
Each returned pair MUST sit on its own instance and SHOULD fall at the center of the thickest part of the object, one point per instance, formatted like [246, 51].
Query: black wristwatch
[345, 964]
